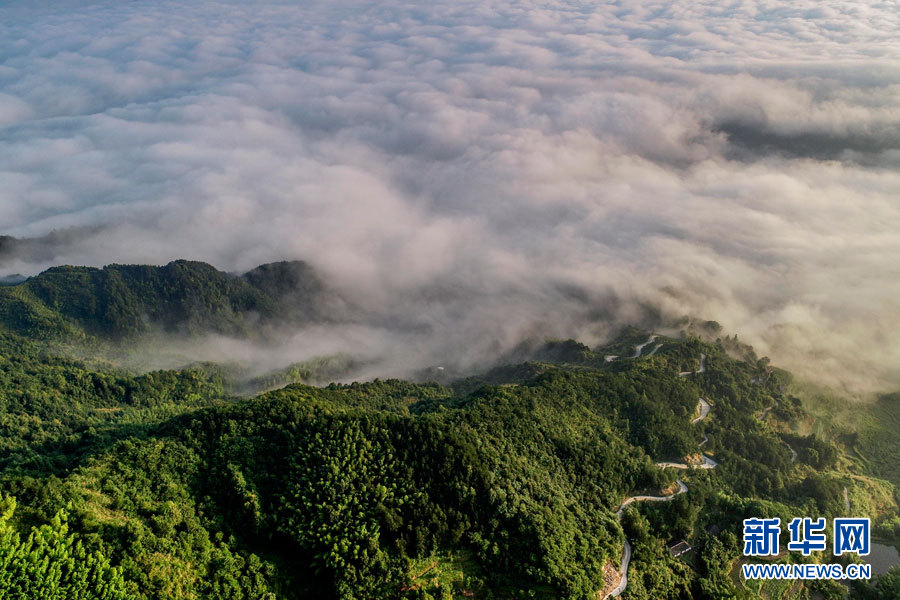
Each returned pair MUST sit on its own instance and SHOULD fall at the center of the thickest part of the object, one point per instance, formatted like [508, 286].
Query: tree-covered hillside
[182, 297]
[501, 485]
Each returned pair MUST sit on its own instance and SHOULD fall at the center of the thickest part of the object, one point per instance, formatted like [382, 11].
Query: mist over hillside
[269, 318]
[553, 476]
[449, 300]
[482, 170]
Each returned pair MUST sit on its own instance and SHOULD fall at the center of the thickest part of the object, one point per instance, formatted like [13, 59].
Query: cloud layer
[480, 171]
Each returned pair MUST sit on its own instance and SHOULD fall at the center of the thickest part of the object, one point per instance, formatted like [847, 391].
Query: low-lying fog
[472, 173]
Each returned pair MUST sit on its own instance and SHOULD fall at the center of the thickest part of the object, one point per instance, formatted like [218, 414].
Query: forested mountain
[500, 485]
[181, 297]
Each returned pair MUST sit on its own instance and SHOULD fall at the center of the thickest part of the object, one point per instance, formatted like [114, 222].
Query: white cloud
[510, 152]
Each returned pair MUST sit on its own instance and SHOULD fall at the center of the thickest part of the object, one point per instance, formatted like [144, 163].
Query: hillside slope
[185, 297]
[499, 485]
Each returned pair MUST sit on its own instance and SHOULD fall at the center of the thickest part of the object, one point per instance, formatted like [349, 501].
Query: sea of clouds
[479, 172]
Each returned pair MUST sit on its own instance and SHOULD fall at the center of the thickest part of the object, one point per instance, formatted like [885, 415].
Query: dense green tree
[52, 564]
[338, 491]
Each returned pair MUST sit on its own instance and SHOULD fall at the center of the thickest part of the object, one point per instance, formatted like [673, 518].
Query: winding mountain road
[621, 510]
[704, 410]
[640, 347]
[764, 413]
[702, 368]
[626, 554]
[708, 463]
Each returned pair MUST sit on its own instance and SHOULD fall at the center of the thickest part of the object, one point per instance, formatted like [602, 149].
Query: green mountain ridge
[184, 297]
[503, 484]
